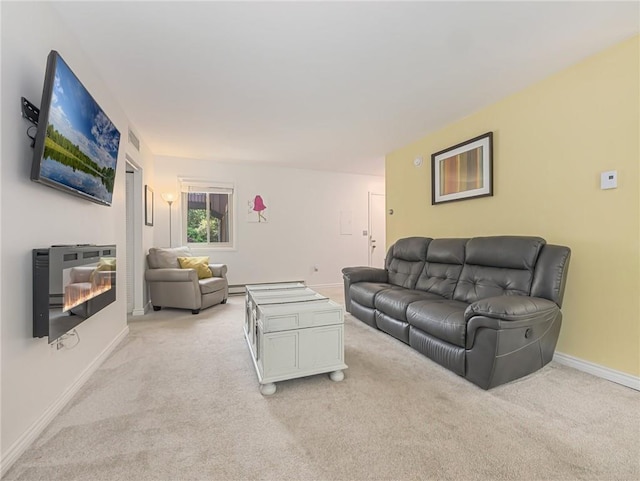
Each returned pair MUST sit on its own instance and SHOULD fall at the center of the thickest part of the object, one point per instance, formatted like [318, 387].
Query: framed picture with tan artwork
[463, 171]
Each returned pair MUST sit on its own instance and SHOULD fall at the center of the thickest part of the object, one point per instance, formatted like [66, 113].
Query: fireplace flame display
[85, 283]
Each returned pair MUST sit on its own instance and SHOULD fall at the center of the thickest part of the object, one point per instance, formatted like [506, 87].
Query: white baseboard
[597, 370]
[141, 311]
[237, 290]
[321, 286]
[30, 435]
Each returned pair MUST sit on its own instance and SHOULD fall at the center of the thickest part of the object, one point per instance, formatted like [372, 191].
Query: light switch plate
[609, 179]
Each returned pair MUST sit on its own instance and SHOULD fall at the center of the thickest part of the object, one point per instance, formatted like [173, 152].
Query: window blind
[206, 186]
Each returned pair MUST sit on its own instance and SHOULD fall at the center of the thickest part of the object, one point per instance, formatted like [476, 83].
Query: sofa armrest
[365, 274]
[171, 274]
[512, 309]
[218, 270]
[351, 275]
[508, 312]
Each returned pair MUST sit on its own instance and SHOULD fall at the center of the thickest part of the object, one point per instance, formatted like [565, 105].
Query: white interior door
[130, 240]
[377, 240]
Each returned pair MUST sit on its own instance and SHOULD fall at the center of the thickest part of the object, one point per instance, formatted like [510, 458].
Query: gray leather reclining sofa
[487, 308]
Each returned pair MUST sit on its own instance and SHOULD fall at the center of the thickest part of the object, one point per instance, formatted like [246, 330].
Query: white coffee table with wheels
[292, 331]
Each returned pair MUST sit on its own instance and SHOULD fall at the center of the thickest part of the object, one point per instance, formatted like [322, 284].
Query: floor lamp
[169, 198]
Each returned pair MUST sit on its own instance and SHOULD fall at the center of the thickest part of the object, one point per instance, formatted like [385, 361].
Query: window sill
[209, 247]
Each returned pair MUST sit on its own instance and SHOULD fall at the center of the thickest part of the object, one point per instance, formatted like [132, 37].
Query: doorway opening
[377, 237]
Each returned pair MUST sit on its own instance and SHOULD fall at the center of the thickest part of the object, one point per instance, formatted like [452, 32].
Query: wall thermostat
[609, 179]
[417, 161]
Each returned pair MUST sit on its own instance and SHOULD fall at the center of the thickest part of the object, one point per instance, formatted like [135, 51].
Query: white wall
[36, 378]
[303, 229]
[303, 212]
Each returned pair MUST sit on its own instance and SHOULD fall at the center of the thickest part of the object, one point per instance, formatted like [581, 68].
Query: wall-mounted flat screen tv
[76, 145]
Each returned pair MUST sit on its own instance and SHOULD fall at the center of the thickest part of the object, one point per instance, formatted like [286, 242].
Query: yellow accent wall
[551, 142]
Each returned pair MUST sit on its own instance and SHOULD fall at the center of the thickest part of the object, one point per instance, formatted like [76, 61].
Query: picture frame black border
[487, 135]
[148, 205]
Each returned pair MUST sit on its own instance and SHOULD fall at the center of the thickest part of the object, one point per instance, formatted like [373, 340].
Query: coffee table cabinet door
[322, 348]
[280, 354]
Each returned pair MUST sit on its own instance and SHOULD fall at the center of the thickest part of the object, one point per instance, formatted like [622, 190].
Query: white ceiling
[326, 85]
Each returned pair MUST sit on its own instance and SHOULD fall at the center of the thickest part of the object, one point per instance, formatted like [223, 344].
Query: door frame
[137, 273]
[369, 216]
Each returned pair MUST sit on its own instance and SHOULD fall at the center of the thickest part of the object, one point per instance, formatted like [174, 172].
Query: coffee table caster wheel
[267, 389]
[336, 376]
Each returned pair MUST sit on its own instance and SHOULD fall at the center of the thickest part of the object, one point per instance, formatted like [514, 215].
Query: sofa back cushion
[405, 260]
[551, 273]
[165, 257]
[498, 266]
[445, 258]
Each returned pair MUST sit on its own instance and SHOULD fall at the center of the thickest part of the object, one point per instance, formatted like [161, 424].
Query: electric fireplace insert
[70, 284]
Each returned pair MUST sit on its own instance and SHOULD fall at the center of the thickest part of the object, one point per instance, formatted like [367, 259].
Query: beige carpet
[179, 400]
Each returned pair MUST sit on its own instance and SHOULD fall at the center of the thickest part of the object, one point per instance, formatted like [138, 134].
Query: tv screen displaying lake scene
[76, 147]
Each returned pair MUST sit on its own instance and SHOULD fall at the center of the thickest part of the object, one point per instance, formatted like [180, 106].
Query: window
[207, 214]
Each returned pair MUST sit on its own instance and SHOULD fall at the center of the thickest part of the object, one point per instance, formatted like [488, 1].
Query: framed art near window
[148, 205]
[463, 171]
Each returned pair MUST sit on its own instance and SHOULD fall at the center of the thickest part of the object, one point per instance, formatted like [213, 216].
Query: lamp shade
[168, 197]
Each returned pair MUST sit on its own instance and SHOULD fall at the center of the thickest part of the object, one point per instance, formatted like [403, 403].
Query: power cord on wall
[33, 138]
[60, 342]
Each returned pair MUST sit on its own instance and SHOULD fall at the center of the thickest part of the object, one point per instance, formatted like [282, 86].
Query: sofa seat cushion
[212, 284]
[394, 302]
[364, 293]
[441, 319]
[393, 327]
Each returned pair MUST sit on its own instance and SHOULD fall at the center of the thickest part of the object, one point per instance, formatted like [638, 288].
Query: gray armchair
[172, 286]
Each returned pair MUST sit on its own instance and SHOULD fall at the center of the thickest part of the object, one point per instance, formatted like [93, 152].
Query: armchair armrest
[365, 274]
[81, 273]
[171, 275]
[218, 270]
[508, 312]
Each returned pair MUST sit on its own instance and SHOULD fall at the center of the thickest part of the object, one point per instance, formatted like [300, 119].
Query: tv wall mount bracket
[30, 111]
